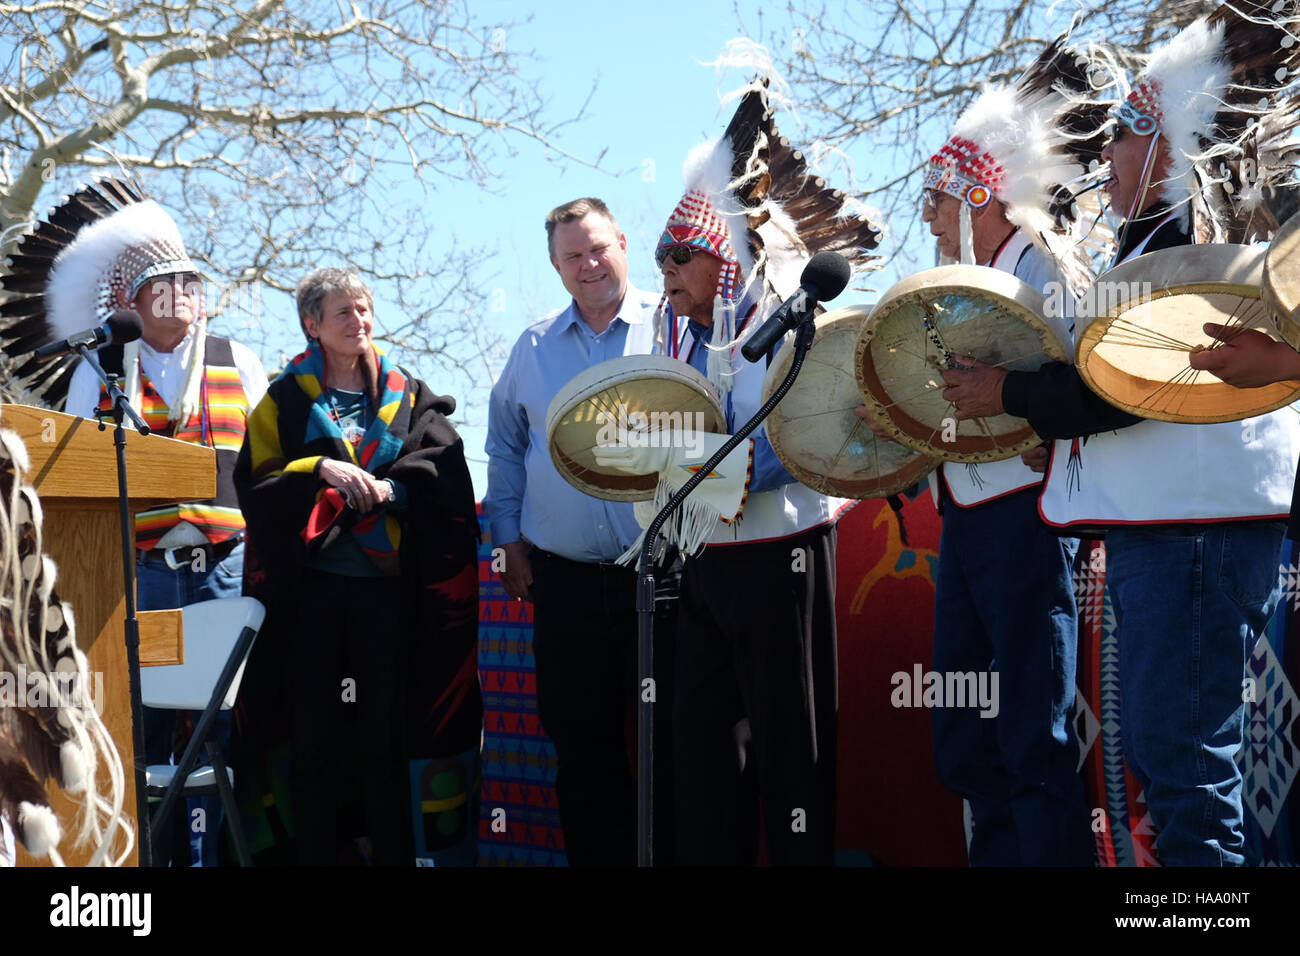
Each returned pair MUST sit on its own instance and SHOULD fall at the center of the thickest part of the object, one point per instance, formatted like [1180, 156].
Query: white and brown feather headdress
[89, 258]
[1034, 146]
[50, 727]
[1221, 92]
[753, 200]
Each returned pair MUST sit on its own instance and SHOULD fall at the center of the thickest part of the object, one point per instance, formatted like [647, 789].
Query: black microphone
[122, 326]
[823, 278]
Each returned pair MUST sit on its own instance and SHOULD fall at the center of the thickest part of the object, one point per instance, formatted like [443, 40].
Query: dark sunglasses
[184, 279]
[680, 254]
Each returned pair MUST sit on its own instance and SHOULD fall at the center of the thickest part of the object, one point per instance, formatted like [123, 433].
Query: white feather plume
[1193, 80]
[1022, 134]
[708, 169]
[40, 829]
[72, 294]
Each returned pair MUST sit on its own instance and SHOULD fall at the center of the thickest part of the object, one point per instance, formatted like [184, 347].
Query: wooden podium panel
[74, 471]
[162, 637]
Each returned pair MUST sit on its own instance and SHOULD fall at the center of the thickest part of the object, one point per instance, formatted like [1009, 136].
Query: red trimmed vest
[219, 424]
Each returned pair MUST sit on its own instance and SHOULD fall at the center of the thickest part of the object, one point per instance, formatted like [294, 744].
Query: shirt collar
[1142, 226]
[629, 313]
[181, 351]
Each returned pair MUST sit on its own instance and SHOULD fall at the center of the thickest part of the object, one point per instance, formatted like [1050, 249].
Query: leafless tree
[288, 135]
[886, 81]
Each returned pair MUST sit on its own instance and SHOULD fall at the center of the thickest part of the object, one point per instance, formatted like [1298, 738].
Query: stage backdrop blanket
[519, 823]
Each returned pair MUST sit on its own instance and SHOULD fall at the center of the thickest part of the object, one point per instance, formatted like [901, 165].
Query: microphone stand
[122, 410]
[645, 596]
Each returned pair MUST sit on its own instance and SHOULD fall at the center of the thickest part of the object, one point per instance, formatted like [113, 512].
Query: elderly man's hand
[1036, 459]
[877, 429]
[1247, 358]
[975, 392]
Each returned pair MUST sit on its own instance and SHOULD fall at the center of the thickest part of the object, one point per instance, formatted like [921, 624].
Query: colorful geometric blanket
[519, 822]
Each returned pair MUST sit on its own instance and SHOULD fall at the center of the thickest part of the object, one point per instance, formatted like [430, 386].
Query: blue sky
[651, 100]
[649, 97]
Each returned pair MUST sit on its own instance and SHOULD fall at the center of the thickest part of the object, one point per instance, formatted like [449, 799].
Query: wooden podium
[74, 471]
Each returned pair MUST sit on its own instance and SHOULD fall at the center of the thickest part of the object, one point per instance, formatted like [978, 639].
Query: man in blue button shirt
[560, 544]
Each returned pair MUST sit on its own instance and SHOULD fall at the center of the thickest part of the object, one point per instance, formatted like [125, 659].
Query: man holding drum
[1191, 510]
[1004, 599]
[560, 544]
[756, 676]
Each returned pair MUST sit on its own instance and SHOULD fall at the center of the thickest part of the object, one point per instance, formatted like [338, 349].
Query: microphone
[122, 326]
[823, 278]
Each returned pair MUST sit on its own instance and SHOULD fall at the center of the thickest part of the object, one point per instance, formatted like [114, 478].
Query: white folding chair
[218, 636]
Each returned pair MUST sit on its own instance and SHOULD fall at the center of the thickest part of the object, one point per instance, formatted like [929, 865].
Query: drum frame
[623, 370]
[1003, 287]
[1240, 279]
[839, 487]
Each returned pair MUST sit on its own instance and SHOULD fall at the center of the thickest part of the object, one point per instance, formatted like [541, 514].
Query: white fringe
[689, 527]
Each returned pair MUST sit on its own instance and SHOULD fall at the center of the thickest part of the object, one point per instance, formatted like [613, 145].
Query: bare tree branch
[888, 83]
[288, 136]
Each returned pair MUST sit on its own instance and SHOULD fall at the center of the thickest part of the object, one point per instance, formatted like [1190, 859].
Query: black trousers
[584, 644]
[756, 694]
[344, 669]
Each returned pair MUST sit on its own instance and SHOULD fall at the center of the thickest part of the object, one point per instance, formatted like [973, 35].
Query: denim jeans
[1004, 604]
[159, 587]
[1189, 604]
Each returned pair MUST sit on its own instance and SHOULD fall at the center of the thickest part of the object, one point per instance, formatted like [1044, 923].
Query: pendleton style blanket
[432, 548]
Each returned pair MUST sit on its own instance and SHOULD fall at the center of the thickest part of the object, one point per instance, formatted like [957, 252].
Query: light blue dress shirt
[526, 496]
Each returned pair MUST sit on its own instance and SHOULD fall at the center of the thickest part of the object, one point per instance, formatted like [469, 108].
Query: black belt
[183, 556]
[554, 558]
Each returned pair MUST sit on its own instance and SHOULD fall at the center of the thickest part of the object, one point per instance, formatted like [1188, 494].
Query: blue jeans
[1004, 605]
[1189, 604]
[159, 587]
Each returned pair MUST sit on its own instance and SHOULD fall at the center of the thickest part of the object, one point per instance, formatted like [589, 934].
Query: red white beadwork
[962, 168]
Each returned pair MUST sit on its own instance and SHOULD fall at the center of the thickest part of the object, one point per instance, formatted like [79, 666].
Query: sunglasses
[679, 254]
[184, 279]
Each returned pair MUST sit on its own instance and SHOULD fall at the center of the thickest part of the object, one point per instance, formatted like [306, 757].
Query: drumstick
[824, 411]
[931, 324]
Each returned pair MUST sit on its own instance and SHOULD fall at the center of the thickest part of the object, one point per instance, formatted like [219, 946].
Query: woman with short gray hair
[359, 506]
[316, 286]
